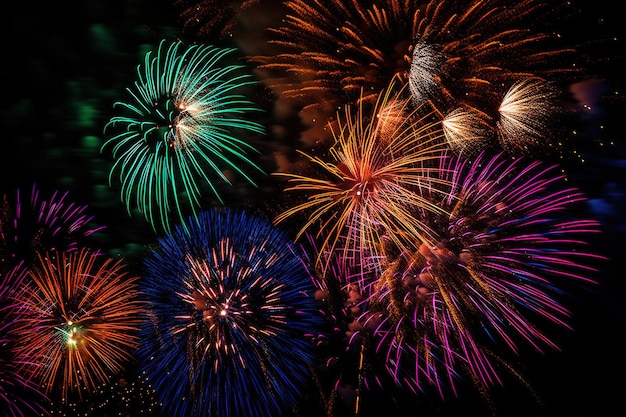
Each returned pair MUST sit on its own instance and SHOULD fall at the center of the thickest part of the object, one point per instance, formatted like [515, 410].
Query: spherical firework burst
[179, 133]
[452, 54]
[231, 312]
[371, 188]
[31, 223]
[80, 321]
[493, 283]
[19, 396]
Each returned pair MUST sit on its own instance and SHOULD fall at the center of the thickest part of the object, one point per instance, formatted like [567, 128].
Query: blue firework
[178, 135]
[231, 316]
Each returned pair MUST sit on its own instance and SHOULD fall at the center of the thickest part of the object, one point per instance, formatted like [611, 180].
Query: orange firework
[81, 317]
[451, 54]
[373, 187]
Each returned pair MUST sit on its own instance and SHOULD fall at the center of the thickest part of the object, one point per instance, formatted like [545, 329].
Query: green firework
[177, 136]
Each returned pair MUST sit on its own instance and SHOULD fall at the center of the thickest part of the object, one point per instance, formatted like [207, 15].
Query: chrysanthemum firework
[179, 134]
[19, 396]
[512, 244]
[452, 54]
[370, 187]
[32, 223]
[231, 318]
[80, 321]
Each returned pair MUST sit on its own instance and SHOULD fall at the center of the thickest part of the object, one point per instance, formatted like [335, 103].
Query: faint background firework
[179, 134]
[231, 318]
[213, 19]
[80, 322]
[32, 222]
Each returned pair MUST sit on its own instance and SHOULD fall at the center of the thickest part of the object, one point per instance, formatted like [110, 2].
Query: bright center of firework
[71, 333]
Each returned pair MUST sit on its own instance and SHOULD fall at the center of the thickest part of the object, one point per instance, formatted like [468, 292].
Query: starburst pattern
[80, 321]
[512, 242]
[370, 189]
[231, 311]
[179, 133]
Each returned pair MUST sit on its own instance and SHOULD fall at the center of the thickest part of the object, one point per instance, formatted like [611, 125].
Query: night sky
[65, 64]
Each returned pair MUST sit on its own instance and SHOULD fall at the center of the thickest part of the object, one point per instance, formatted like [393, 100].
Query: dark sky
[64, 66]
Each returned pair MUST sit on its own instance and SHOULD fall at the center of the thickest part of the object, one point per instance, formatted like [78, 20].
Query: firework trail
[232, 311]
[178, 135]
[512, 242]
[80, 321]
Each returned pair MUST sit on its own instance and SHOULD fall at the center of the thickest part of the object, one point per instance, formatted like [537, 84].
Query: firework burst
[493, 280]
[179, 132]
[525, 115]
[371, 188]
[451, 54]
[32, 223]
[80, 321]
[232, 311]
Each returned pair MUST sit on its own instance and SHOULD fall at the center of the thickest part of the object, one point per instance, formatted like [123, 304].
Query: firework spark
[80, 320]
[232, 311]
[179, 132]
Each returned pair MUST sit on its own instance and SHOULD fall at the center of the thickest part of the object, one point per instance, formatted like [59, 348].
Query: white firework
[466, 130]
[524, 114]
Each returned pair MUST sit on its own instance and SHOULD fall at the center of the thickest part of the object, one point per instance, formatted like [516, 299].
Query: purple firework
[19, 396]
[31, 223]
[511, 242]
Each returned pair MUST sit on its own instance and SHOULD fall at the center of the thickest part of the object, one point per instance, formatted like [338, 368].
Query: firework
[371, 188]
[32, 223]
[232, 310]
[493, 281]
[208, 19]
[19, 396]
[451, 54]
[525, 114]
[178, 135]
[80, 320]
[467, 131]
